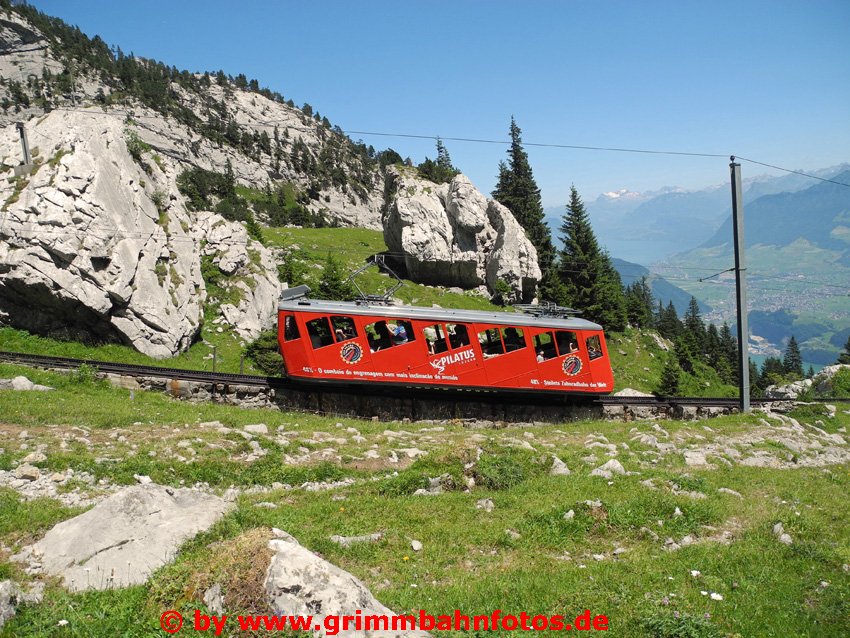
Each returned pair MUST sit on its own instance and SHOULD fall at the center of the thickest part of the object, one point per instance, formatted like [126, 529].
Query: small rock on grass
[559, 468]
[485, 504]
[416, 546]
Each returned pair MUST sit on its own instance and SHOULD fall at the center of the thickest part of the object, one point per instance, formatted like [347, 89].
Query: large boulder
[789, 390]
[299, 582]
[823, 380]
[451, 234]
[122, 540]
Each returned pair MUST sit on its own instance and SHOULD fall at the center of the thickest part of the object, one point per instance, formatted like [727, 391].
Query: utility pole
[740, 286]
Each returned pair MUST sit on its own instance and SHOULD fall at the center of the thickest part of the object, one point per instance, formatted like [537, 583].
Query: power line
[540, 144]
[610, 149]
[788, 170]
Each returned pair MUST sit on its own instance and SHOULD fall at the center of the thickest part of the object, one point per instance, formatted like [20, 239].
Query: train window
[378, 335]
[544, 346]
[320, 332]
[567, 342]
[290, 328]
[343, 328]
[491, 342]
[594, 348]
[514, 339]
[458, 335]
[436, 338]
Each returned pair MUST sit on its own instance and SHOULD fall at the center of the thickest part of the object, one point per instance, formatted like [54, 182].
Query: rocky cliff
[94, 246]
[451, 234]
[198, 119]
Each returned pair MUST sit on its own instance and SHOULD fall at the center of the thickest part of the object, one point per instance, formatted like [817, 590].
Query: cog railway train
[543, 350]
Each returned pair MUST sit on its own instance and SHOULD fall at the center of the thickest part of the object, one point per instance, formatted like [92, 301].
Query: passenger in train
[512, 339]
[540, 357]
[385, 339]
[399, 333]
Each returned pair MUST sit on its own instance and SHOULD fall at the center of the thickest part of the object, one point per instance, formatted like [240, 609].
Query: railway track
[389, 401]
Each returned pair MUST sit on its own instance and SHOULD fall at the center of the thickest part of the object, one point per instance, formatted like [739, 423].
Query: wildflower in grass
[695, 573]
[406, 558]
[716, 596]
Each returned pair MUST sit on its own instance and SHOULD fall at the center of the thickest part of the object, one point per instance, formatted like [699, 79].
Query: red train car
[373, 342]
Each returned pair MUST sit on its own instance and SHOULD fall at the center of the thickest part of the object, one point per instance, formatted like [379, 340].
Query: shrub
[265, 353]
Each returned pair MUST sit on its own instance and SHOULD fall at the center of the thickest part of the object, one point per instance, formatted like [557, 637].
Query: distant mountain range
[648, 227]
[798, 253]
[798, 268]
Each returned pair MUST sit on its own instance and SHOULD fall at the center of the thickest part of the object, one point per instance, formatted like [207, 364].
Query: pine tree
[792, 362]
[810, 373]
[844, 357]
[670, 375]
[772, 372]
[669, 325]
[440, 171]
[591, 282]
[639, 304]
[517, 190]
[333, 285]
[694, 328]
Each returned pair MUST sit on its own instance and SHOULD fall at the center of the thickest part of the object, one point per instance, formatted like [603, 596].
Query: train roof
[292, 302]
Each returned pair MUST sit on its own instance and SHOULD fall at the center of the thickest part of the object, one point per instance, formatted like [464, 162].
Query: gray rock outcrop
[124, 538]
[22, 384]
[94, 246]
[298, 582]
[451, 234]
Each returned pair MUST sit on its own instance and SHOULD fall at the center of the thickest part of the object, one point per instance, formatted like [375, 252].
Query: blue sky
[768, 80]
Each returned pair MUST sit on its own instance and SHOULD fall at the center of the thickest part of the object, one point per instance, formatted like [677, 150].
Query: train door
[338, 347]
[561, 362]
[393, 347]
[599, 363]
[292, 347]
[451, 359]
[507, 355]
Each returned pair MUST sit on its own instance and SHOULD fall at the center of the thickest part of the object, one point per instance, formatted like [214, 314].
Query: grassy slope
[468, 562]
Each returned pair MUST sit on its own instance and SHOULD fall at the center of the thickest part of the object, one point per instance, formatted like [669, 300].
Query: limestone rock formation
[453, 235]
[125, 538]
[353, 201]
[299, 582]
[94, 245]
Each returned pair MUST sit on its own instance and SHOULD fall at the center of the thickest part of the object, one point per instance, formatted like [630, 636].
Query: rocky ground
[438, 515]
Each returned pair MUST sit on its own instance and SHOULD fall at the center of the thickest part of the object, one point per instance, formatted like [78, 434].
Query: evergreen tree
[639, 304]
[334, 286]
[844, 357]
[792, 362]
[670, 375]
[810, 373]
[440, 171]
[694, 328]
[669, 325]
[772, 372]
[590, 280]
[517, 190]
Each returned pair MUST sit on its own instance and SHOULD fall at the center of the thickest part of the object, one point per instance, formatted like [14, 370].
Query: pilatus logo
[572, 366]
[464, 356]
[351, 353]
